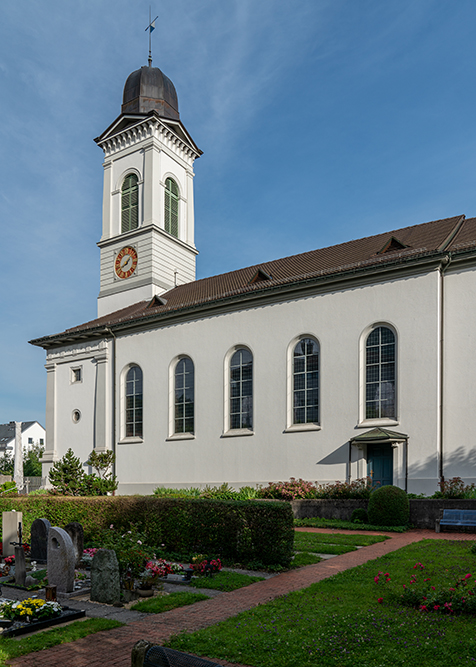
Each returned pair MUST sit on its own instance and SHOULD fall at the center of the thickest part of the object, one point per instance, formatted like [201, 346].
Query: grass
[340, 622]
[304, 558]
[225, 581]
[332, 544]
[337, 538]
[11, 648]
[347, 525]
[161, 603]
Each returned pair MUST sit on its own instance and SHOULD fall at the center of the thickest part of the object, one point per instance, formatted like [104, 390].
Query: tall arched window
[306, 382]
[133, 395]
[129, 203]
[171, 207]
[380, 369]
[241, 389]
[184, 397]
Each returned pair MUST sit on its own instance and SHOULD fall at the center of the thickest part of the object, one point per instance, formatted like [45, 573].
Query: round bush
[389, 506]
[360, 515]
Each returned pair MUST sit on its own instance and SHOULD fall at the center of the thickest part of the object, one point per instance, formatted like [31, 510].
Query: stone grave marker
[76, 533]
[20, 566]
[39, 540]
[105, 580]
[60, 560]
[10, 524]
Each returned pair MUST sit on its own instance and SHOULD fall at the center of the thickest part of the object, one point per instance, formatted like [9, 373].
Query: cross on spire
[150, 28]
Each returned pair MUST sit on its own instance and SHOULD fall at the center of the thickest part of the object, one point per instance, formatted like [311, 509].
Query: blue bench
[458, 518]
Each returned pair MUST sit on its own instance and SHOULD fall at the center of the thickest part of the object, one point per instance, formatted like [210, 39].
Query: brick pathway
[114, 646]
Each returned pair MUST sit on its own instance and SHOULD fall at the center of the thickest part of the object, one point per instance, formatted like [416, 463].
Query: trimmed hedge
[389, 506]
[244, 531]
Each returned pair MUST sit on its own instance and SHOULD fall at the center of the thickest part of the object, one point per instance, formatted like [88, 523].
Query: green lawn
[160, 603]
[12, 648]
[225, 581]
[347, 525]
[340, 622]
[304, 558]
[332, 544]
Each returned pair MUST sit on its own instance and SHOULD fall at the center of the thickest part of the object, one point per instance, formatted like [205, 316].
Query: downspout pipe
[444, 265]
[111, 333]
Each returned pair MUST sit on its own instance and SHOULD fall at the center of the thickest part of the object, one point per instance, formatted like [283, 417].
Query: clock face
[126, 262]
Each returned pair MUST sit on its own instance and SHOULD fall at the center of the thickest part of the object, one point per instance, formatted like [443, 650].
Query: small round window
[76, 416]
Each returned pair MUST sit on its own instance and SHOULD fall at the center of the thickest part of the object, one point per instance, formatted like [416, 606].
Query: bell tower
[147, 244]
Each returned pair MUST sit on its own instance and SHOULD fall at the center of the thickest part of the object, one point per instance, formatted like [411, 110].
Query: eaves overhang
[258, 293]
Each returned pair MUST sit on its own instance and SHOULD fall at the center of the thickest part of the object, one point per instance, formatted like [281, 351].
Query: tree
[6, 463]
[66, 474]
[32, 461]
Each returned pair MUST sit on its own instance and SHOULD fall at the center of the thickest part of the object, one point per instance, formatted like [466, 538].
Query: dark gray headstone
[20, 566]
[61, 558]
[76, 533]
[105, 581]
[39, 540]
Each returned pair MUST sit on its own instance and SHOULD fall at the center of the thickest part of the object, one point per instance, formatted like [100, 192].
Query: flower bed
[33, 614]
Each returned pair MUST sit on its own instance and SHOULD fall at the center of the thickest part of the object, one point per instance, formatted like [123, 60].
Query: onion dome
[148, 89]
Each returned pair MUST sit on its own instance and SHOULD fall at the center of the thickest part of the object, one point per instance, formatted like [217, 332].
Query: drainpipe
[445, 262]
[108, 330]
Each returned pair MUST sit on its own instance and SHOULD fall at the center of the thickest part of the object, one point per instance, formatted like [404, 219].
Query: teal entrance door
[380, 464]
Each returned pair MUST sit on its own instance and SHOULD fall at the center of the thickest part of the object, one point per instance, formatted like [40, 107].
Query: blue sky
[320, 121]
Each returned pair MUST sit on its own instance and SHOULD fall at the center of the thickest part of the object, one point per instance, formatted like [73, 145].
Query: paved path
[113, 648]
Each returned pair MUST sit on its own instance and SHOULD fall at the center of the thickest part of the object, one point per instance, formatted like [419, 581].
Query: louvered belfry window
[171, 207]
[129, 204]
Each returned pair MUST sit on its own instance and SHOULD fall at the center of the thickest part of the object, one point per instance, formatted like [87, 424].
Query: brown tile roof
[389, 247]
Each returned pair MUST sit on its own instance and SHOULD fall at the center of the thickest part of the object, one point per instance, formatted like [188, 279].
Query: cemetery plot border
[19, 628]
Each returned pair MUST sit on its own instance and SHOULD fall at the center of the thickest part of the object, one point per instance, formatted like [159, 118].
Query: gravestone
[10, 524]
[105, 581]
[39, 540]
[20, 566]
[60, 560]
[76, 533]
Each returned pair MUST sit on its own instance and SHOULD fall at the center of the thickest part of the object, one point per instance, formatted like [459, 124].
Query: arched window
[133, 395]
[380, 370]
[184, 396]
[241, 389]
[306, 382]
[171, 207]
[129, 203]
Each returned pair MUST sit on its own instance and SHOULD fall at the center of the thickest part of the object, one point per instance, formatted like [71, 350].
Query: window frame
[173, 434]
[291, 425]
[365, 421]
[170, 198]
[132, 206]
[136, 437]
[228, 431]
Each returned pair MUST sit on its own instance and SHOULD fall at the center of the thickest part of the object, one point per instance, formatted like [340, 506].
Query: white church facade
[335, 364]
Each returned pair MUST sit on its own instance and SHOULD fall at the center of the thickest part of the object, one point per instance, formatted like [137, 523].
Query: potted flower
[153, 570]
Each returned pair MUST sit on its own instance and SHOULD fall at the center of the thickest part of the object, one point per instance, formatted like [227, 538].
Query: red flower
[380, 600]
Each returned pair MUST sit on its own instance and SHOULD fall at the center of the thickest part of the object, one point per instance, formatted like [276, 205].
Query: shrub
[292, 490]
[242, 531]
[359, 488]
[454, 488]
[389, 506]
[359, 515]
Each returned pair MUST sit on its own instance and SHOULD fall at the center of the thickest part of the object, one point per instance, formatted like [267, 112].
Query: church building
[335, 364]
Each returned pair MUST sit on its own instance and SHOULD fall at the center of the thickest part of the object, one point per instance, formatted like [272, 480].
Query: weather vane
[150, 28]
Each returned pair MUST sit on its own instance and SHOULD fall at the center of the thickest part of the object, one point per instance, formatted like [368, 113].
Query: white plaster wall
[337, 320]
[459, 450]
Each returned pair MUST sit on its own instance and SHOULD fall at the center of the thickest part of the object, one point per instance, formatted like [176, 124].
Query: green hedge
[244, 531]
